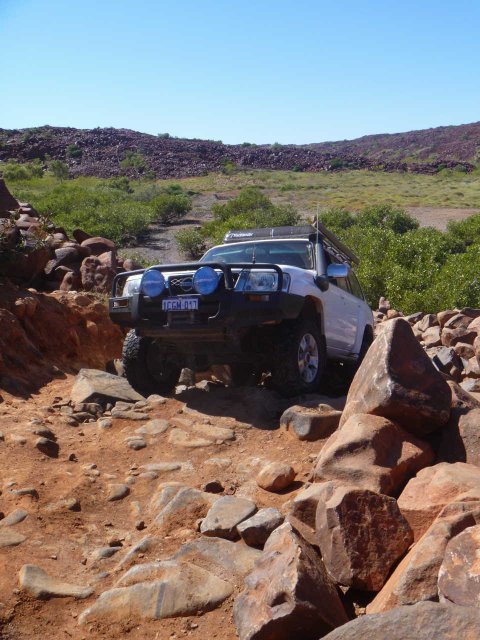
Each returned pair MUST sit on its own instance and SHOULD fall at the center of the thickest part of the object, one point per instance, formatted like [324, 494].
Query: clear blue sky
[247, 70]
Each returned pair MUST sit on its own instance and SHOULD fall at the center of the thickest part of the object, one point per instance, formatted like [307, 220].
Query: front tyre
[299, 358]
[147, 368]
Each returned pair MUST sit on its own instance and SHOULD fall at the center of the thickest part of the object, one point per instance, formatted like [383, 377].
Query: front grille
[180, 285]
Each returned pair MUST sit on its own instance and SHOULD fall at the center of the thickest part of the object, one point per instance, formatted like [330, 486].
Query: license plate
[180, 304]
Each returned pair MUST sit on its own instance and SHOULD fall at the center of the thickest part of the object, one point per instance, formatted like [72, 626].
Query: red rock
[98, 245]
[415, 578]
[95, 276]
[474, 325]
[373, 453]
[361, 534]
[310, 422]
[276, 476]
[464, 350]
[444, 316]
[406, 388]
[458, 321]
[435, 487]
[459, 575]
[428, 320]
[422, 621]
[460, 439]
[431, 337]
[288, 594]
[81, 235]
[303, 510]
[108, 259]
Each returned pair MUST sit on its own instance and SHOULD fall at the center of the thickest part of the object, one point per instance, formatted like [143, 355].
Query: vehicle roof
[318, 233]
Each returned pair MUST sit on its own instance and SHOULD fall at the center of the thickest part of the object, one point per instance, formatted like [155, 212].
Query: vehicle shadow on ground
[258, 406]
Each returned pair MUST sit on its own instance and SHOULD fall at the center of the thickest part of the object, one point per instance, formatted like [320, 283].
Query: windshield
[295, 253]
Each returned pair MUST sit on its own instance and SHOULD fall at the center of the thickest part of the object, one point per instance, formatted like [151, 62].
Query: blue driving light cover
[153, 283]
[205, 281]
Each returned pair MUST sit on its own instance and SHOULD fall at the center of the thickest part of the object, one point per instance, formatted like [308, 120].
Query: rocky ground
[98, 152]
[224, 512]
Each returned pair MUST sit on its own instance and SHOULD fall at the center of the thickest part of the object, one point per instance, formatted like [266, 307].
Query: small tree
[170, 208]
[58, 169]
[191, 243]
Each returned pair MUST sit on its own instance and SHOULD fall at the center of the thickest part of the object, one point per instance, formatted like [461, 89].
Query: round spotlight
[205, 281]
[153, 283]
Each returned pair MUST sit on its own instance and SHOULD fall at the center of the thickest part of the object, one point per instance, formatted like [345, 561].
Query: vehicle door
[344, 316]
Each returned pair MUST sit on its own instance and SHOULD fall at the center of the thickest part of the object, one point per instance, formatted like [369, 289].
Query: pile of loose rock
[451, 338]
[51, 260]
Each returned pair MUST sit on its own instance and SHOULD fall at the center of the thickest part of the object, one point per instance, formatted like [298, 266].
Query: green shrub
[191, 243]
[102, 212]
[248, 210]
[58, 169]
[133, 160]
[336, 218]
[14, 171]
[121, 183]
[170, 208]
[72, 151]
[386, 217]
[164, 136]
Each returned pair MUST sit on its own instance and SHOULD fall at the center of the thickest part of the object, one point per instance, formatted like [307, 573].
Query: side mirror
[321, 282]
[338, 271]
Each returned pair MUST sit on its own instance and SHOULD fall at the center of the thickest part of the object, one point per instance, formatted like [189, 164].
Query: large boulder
[461, 439]
[361, 534]
[459, 575]
[310, 421]
[433, 488]
[373, 453]
[422, 621]
[95, 275]
[159, 590]
[415, 578]
[288, 594]
[302, 511]
[92, 385]
[398, 381]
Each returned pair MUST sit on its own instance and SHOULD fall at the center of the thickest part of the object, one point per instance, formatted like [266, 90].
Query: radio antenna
[316, 224]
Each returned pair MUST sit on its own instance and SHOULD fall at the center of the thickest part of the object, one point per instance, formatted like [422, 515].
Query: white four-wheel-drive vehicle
[280, 300]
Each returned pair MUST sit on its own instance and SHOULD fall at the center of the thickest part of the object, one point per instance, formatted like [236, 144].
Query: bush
[58, 169]
[122, 184]
[15, 171]
[133, 160]
[103, 212]
[72, 151]
[170, 208]
[248, 210]
[191, 243]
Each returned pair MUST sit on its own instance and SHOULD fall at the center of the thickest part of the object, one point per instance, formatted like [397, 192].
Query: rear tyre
[299, 358]
[147, 368]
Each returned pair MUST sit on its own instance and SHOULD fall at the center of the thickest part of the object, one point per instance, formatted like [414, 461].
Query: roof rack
[332, 244]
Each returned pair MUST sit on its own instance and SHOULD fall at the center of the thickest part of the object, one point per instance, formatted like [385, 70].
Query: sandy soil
[62, 541]
[439, 217]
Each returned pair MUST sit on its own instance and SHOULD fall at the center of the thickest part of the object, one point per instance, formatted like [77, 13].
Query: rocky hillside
[229, 513]
[100, 152]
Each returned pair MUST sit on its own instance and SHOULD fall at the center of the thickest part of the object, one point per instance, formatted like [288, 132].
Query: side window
[342, 283]
[355, 286]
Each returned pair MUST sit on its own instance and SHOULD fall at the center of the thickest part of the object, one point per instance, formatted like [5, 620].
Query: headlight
[261, 281]
[132, 285]
[205, 281]
[153, 283]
